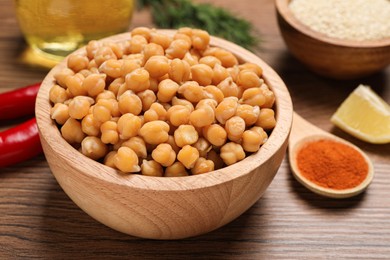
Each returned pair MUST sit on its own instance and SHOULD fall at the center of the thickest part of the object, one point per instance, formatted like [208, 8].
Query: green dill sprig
[215, 20]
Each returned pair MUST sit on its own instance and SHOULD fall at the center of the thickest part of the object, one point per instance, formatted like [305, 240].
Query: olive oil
[58, 27]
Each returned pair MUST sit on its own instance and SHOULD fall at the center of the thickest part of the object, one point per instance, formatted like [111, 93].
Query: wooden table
[37, 219]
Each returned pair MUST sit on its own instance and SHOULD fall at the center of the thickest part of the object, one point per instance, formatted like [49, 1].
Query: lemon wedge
[364, 115]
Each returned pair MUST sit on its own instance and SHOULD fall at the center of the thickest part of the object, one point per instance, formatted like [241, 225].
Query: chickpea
[153, 84]
[219, 74]
[213, 92]
[253, 97]
[155, 112]
[102, 54]
[85, 72]
[248, 79]
[179, 71]
[57, 94]
[210, 61]
[90, 125]
[71, 131]
[200, 39]
[160, 39]
[151, 168]
[202, 116]
[252, 67]
[178, 115]
[212, 103]
[192, 91]
[233, 71]
[190, 59]
[79, 107]
[269, 96]
[157, 66]
[177, 49]
[184, 37]
[232, 153]
[129, 102]
[261, 132]
[183, 102]
[128, 125]
[109, 130]
[176, 170]
[129, 66]
[202, 165]
[152, 49]
[74, 85]
[251, 141]
[137, 43]
[188, 156]
[215, 134]
[249, 113]
[235, 127]
[92, 66]
[59, 113]
[93, 147]
[164, 154]
[155, 132]
[91, 48]
[101, 112]
[112, 68]
[226, 109]
[143, 31]
[185, 135]
[203, 146]
[172, 143]
[106, 94]
[109, 159]
[266, 119]
[228, 87]
[116, 48]
[126, 160]
[94, 84]
[77, 62]
[227, 58]
[202, 74]
[115, 85]
[147, 98]
[167, 90]
[137, 144]
[138, 80]
[185, 30]
[61, 76]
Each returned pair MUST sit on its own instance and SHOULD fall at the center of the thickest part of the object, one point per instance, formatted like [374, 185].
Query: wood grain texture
[334, 58]
[38, 220]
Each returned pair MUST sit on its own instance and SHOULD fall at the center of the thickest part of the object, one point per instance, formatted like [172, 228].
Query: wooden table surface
[38, 220]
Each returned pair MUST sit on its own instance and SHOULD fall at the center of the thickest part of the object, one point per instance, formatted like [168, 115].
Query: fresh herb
[217, 21]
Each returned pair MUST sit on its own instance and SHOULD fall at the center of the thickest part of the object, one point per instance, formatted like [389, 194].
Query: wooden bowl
[330, 57]
[166, 207]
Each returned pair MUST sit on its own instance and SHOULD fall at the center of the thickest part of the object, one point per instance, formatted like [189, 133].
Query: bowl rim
[283, 10]
[49, 131]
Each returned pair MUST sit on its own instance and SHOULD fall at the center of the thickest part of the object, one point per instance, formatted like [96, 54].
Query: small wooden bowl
[330, 57]
[166, 207]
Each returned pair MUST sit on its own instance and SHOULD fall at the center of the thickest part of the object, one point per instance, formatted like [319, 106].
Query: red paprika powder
[332, 164]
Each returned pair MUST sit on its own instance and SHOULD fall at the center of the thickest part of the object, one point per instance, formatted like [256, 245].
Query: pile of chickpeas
[162, 105]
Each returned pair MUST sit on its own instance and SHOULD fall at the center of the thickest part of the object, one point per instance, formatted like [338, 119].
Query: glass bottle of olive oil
[58, 27]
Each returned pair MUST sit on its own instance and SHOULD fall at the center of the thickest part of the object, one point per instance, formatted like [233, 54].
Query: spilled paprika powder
[332, 164]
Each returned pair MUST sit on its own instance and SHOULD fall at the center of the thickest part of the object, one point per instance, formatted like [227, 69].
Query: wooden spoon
[303, 132]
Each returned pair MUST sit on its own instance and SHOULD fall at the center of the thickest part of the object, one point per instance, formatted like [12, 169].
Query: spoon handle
[301, 129]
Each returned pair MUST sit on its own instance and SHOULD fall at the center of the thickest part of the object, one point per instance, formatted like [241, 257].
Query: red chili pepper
[19, 143]
[19, 102]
